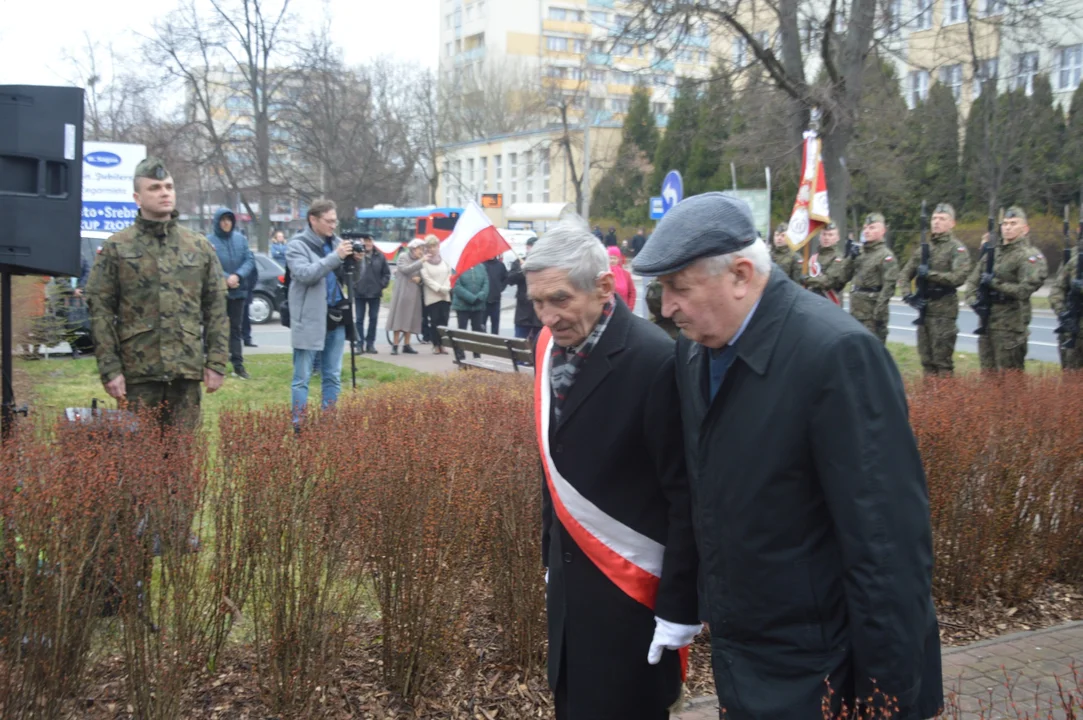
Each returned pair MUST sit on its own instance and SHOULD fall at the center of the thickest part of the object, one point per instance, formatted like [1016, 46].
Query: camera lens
[358, 247]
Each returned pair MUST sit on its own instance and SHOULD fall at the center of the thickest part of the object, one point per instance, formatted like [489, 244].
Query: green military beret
[831, 226]
[874, 218]
[1016, 212]
[945, 209]
[152, 168]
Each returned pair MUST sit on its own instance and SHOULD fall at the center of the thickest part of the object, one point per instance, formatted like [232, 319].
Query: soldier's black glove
[1077, 285]
[986, 280]
[923, 271]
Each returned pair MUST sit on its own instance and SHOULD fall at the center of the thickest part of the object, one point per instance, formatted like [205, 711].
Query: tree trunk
[834, 143]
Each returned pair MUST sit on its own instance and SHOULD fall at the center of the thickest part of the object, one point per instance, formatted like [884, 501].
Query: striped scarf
[567, 362]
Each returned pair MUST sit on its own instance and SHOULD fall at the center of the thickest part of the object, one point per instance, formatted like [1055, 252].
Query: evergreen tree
[716, 111]
[639, 126]
[1071, 155]
[932, 149]
[973, 166]
[675, 147]
[1041, 147]
[622, 191]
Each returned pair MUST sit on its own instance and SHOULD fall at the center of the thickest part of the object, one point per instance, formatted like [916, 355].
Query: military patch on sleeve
[838, 259]
[1033, 258]
[960, 249]
[889, 258]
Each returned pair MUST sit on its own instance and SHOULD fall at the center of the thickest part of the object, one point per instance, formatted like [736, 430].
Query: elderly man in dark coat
[617, 535]
[809, 501]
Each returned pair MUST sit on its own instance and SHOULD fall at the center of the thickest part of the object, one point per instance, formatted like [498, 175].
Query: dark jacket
[471, 290]
[498, 278]
[622, 451]
[524, 309]
[610, 239]
[278, 253]
[233, 253]
[811, 515]
[372, 275]
[638, 241]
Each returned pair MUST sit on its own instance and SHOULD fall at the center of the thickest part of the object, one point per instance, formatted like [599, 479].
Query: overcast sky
[34, 34]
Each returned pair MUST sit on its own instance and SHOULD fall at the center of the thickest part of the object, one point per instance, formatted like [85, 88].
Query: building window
[513, 175]
[596, 103]
[704, 57]
[740, 52]
[924, 17]
[992, 7]
[684, 55]
[556, 13]
[578, 45]
[543, 156]
[623, 49]
[458, 17]
[447, 21]
[469, 13]
[661, 80]
[954, 11]
[470, 173]
[919, 88]
[764, 39]
[597, 46]
[622, 22]
[622, 78]
[1069, 66]
[498, 173]
[987, 70]
[597, 75]
[528, 172]
[599, 18]
[658, 108]
[893, 21]
[483, 164]
[952, 77]
[700, 30]
[618, 105]
[450, 49]
[556, 44]
[1026, 67]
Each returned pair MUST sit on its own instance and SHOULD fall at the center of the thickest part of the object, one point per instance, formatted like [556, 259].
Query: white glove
[670, 636]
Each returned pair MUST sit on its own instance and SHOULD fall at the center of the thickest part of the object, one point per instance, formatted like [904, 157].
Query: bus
[393, 227]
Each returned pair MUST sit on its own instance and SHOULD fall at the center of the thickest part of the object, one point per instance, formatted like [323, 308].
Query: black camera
[356, 240]
[358, 247]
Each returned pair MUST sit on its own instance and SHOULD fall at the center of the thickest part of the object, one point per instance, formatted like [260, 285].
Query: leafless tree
[231, 57]
[120, 100]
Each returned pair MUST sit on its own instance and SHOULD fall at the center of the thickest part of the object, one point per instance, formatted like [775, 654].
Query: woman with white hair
[404, 317]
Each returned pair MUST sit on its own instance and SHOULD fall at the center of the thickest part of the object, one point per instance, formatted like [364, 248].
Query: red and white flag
[810, 210]
[473, 241]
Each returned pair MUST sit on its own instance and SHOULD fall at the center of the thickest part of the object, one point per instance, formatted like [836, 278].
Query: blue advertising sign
[107, 185]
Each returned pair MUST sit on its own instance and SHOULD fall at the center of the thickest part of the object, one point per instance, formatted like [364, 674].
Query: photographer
[371, 276]
[318, 307]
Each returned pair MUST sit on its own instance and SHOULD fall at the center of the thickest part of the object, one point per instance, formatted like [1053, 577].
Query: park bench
[509, 354]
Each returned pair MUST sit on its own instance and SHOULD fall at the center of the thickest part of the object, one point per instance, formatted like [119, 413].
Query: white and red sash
[630, 559]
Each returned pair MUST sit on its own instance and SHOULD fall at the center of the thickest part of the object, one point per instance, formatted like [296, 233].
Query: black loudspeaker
[41, 178]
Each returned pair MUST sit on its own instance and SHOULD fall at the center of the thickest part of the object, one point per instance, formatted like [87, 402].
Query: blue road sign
[672, 190]
[657, 209]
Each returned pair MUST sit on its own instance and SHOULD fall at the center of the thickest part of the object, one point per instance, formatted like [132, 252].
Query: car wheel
[261, 309]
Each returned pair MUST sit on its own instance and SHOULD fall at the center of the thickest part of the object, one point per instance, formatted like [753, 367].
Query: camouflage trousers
[177, 401]
[1071, 359]
[877, 326]
[936, 343]
[1002, 350]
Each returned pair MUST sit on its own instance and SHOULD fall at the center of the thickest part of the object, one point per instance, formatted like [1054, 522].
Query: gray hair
[572, 247]
[757, 252]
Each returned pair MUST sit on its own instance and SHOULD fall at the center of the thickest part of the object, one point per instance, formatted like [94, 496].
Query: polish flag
[473, 241]
[810, 210]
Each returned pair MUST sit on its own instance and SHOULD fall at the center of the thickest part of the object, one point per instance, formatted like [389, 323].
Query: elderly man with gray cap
[616, 527]
[809, 500]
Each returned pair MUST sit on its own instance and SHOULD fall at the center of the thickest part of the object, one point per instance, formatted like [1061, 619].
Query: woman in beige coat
[404, 317]
[436, 279]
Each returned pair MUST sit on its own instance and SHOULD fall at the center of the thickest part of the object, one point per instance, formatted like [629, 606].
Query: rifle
[985, 296]
[1068, 328]
[919, 299]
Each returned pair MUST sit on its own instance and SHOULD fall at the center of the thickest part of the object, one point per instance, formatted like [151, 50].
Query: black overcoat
[619, 444]
[811, 515]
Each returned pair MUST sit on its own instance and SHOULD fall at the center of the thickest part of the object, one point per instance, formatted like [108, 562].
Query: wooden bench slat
[516, 351]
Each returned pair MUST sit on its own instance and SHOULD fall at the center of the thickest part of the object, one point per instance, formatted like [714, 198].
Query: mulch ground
[475, 685]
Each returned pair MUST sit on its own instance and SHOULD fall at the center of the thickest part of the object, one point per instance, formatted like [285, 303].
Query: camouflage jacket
[949, 263]
[154, 290]
[789, 262]
[1019, 269]
[874, 273]
[829, 272]
[1060, 294]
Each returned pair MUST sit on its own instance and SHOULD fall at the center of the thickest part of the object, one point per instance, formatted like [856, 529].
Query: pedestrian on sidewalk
[237, 262]
[436, 279]
[373, 274]
[526, 320]
[621, 565]
[624, 285]
[404, 316]
[809, 498]
[498, 280]
[468, 299]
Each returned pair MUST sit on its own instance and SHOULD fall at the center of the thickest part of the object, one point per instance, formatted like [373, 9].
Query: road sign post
[672, 190]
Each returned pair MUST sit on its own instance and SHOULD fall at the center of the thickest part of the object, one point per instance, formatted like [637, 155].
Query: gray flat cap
[701, 226]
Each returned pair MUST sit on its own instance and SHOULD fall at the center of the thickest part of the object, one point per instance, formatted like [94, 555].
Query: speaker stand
[7, 410]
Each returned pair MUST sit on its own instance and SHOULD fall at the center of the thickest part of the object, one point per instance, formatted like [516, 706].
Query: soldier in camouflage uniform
[1019, 269]
[654, 306]
[155, 292]
[827, 276]
[1065, 284]
[784, 257]
[874, 272]
[949, 264]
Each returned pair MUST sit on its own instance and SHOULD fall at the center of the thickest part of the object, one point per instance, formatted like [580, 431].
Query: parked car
[270, 291]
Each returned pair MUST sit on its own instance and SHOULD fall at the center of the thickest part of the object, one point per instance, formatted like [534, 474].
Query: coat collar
[757, 343]
[598, 366]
